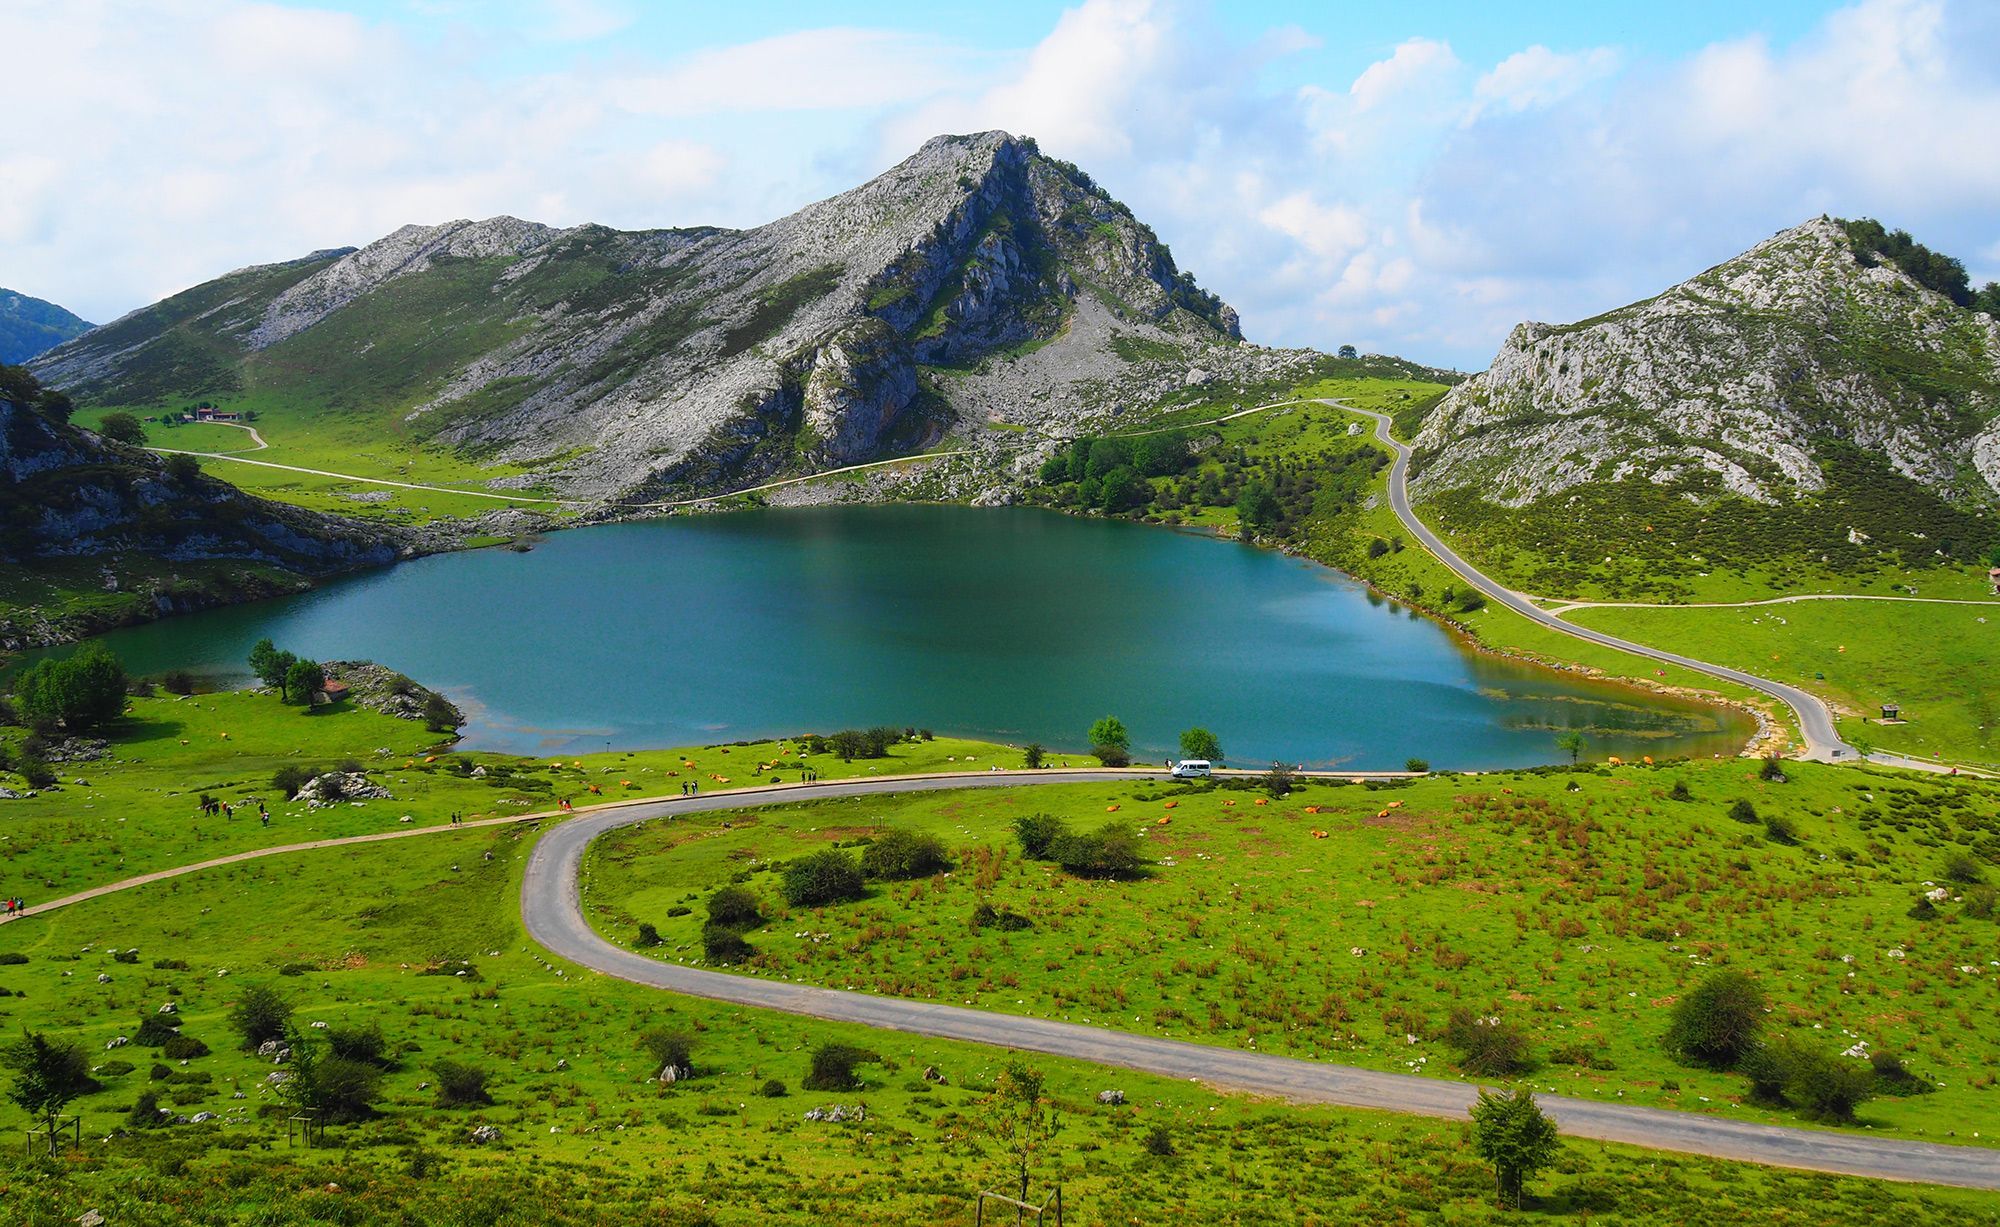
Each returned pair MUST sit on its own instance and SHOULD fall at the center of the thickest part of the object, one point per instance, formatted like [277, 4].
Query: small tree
[1510, 1131]
[1031, 755]
[1417, 766]
[1718, 1023]
[1200, 743]
[1572, 742]
[1348, 352]
[48, 1074]
[260, 1014]
[1110, 731]
[819, 878]
[302, 679]
[123, 427]
[78, 693]
[1278, 781]
[1773, 769]
[1744, 812]
[438, 713]
[1024, 1119]
[183, 470]
[269, 664]
[833, 1067]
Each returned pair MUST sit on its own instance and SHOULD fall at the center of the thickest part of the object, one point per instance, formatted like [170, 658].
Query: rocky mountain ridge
[1742, 381]
[32, 326]
[978, 285]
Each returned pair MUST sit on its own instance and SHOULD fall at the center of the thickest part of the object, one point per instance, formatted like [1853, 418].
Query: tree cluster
[1933, 270]
[295, 679]
[19, 385]
[76, 693]
[1111, 851]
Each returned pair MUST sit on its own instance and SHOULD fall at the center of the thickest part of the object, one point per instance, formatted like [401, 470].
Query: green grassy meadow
[1935, 660]
[136, 810]
[378, 933]
[1578, 915]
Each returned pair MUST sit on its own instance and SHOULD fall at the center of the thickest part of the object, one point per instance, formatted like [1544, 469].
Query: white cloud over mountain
[1422, 205]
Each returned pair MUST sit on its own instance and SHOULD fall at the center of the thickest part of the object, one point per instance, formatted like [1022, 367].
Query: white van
[1193, 769]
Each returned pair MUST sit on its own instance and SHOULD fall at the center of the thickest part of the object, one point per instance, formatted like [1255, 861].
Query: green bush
[183, 1048]
[736, 907]
[12, 958]
[648, 934]
[1111, 851]
[666, 1046]
[722, 943]
[834, 1065]
[823, 877]
[347, 1089]
[291, 777]
[460, 1085]
[259, 1014]
[145, 1112]
[360, 1042]
[1488, 1046]
[1963, 868]
[1718, 1023]
[1781, 829]
[772, 1089]
[1159, 1142]
[1112, 756]
[1037, 832]
[155, 1030]
[77, 693]
[1744, 812]
[897, 854]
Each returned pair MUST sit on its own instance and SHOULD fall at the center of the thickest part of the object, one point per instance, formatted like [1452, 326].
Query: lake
[1012, 624]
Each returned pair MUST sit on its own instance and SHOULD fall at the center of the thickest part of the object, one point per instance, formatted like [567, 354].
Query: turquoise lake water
[1011, 624]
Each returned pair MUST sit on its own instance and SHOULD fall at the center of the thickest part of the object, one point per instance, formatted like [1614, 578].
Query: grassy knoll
[377, 935]
[1576, 916]
[137, 808]
[68, 595]
[1935, 660]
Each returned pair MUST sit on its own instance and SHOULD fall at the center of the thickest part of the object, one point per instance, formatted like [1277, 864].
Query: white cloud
[1414, 63]
[1421, 206]
[809, 70]
[1538, 76]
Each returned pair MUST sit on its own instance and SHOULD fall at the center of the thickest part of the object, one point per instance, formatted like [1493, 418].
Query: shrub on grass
[347, 1089]
[1111, 851]
[1964, 868]
[259, 1014]
[833, 1067]
[1892, 1077]
[1680, 791]
[648, 934]
[1416, 764]
[668, 1047]
[145, 1112]
[154, 1030]
[460, 1085]
[1278, 780]
[357, 1042]
[178, 681]
[1780, 829]
[986, 915]
[12, 958]
[898, 854]
[1979, 902]
[735, 906]
[1820, 1083]
[289, 778]
[722, 943]
[1744, 812]
[1489, 1046]
[822, 877]
[1717, 1024]
[1773, 769]
[183, 1048]
[1037, 832]
[1032, 754]
[1160, 1142]
[772, 1089]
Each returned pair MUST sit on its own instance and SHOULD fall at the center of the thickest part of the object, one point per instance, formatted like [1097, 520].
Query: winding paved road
[1815, 718]
[552, 911]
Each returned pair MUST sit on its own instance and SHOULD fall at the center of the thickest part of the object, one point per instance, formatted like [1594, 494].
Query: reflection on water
[1013, 624]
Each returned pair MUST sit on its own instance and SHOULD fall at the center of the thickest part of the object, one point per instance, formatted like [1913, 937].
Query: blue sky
[1412, 178]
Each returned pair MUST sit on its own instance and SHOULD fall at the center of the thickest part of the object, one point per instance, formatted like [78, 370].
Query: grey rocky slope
[1747, 379]
[979, 286]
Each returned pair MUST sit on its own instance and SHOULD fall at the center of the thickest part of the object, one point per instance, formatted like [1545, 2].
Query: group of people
[13, 907]
[690, 788]
[211, 806]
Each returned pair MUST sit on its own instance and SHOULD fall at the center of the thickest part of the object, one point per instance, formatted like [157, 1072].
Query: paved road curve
[1815, 719]
[553, 915]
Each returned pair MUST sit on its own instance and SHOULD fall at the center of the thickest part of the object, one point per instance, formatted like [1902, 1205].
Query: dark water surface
[1011, 624]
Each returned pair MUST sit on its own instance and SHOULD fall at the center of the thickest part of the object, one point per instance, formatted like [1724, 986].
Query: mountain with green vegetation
[1822, 409]
[30, 326]
[95, 532]
[975, 289]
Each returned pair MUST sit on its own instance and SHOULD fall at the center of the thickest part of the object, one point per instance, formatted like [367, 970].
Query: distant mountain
[978, 287]
[29, 326]
[1833, 404]
[69, 494]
